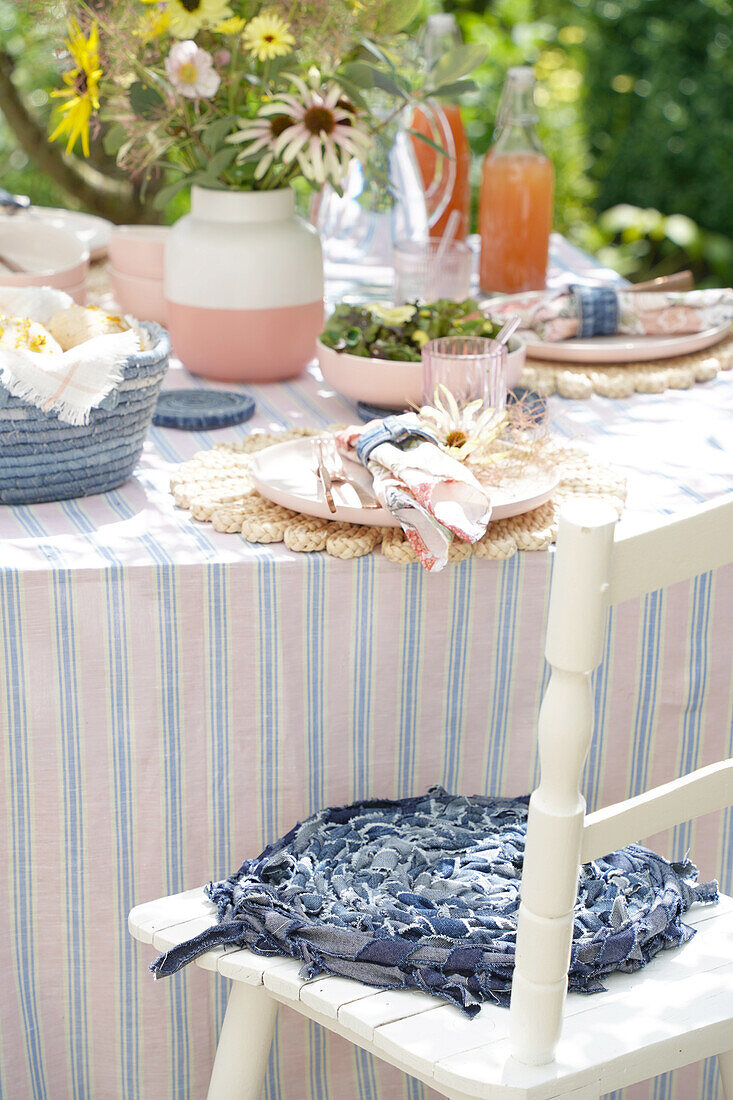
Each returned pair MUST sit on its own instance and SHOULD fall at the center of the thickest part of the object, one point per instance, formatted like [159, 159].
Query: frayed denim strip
[423, 893]
[598, 310]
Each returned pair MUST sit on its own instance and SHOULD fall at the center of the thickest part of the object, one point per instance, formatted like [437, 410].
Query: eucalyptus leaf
[169, 192]
[145, 100]
[394, 17]
[114, 139]
[456, 88]
[367, 76]
[215, 132]
[220, 162]
[352, 92]
[429, 141]
[458, 62]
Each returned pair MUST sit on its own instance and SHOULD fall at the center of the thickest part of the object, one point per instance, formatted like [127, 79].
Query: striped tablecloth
[174, 698]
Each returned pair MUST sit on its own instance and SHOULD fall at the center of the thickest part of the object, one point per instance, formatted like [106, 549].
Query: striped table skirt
[173, 699]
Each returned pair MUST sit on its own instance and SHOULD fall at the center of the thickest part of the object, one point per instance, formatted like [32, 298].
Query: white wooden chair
[677, 1010]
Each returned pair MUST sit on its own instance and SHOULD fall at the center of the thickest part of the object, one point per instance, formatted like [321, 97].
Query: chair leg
[244, 1045]
[725, 1065]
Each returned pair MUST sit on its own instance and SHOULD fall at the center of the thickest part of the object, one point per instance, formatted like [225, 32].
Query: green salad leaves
[380, 331]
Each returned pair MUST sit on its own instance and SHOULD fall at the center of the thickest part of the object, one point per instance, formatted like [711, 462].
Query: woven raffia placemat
[216, 488]
[582, 380]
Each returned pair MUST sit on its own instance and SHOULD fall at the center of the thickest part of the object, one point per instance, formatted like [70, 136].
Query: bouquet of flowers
[239, 93]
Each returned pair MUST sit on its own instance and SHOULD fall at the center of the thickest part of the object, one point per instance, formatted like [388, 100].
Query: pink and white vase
[244, 286]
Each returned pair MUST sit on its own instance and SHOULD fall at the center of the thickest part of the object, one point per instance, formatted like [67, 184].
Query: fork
[337, 472]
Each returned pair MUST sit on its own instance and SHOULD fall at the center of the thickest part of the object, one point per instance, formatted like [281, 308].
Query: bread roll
[20, 332]
[79, 323]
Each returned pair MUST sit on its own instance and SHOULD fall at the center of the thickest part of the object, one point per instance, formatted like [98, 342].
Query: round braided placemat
[581, 380]
[216, 488]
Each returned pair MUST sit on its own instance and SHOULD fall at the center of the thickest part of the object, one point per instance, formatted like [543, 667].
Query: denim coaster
[202, 410]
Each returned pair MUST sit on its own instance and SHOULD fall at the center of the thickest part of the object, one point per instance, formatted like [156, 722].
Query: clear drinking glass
[427, 270]
[470, 367]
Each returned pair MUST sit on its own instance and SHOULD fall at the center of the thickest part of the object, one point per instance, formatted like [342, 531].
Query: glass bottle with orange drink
[515, 202]
[442, 123]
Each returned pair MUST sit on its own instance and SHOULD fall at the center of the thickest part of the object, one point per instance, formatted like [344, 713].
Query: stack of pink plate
[34, 254]
[136, 270]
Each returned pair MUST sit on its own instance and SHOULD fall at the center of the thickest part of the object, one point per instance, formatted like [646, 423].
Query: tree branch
[110, 198]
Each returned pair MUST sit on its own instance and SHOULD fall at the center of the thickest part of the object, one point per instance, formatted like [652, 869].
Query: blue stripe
[72, 781]
[173, 812]
[315, 677]
[24, 906]
[411, 651]
[511, 574]
[461, 589]
[269, 695]
[697, 684]
[220, 735]
[364, 604]
[646, 701]
[124, 804]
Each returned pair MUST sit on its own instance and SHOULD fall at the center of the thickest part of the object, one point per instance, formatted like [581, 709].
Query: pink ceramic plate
[286, 474]
[614, 349]
[623, 349]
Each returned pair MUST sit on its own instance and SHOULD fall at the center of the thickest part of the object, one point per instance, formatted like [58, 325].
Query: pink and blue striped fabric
[175, 698]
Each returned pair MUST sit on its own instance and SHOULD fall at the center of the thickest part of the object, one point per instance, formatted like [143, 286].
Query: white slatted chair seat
[549, 1045]
[438, 1044]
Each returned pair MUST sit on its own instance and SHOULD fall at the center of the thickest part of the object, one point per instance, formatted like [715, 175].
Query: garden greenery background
[636, 99]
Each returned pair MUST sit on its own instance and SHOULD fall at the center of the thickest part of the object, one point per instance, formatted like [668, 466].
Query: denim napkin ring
[393, 429]
[598, 310]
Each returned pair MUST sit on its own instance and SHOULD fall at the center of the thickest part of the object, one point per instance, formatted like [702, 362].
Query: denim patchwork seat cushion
[424, 892]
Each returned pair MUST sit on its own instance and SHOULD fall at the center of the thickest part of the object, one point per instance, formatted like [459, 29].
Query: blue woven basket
[42, 458]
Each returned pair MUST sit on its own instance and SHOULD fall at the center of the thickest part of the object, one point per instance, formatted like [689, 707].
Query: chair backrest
[591, 571]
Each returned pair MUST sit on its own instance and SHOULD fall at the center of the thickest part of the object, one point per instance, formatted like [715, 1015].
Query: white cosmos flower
[463, 432]
[191, 71]
[322, 132]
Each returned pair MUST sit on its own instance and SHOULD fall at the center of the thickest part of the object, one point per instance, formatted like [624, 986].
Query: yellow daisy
[153, 25]
[230, 26]
[188, 17]
[268, 36]
[82, 88]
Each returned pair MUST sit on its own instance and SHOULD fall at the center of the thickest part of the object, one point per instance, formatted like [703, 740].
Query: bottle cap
[202, 410]
[522, 75]
[442, 22]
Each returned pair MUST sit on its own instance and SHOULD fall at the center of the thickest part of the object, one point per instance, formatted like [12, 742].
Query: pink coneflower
[191, 71]
[322, 133]
[260, 134]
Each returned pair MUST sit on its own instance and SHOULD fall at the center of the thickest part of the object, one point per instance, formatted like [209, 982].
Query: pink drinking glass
[470, 367]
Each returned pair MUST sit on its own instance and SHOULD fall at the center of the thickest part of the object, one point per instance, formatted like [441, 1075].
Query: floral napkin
[603, 311]
[432, 496]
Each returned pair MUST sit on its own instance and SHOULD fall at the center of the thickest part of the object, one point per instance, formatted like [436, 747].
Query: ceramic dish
[143, 298]
[48, 256]
[624, 349]
[613, 349]
[138, 250]
[391, 383]
[286, 474]
[91, 231]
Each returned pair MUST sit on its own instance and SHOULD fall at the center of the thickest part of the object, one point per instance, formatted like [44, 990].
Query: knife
[324, 476]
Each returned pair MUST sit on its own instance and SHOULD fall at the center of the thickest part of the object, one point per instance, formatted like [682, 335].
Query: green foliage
[25, 38]
[659, 110]
[643, 244]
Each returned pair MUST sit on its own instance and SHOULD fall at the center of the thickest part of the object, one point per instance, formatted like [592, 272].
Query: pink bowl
[49, 256]
[142, 297]
[390, 383]
[138, 250]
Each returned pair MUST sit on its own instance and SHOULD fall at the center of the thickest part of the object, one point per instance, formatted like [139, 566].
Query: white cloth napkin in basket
[70, 383]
